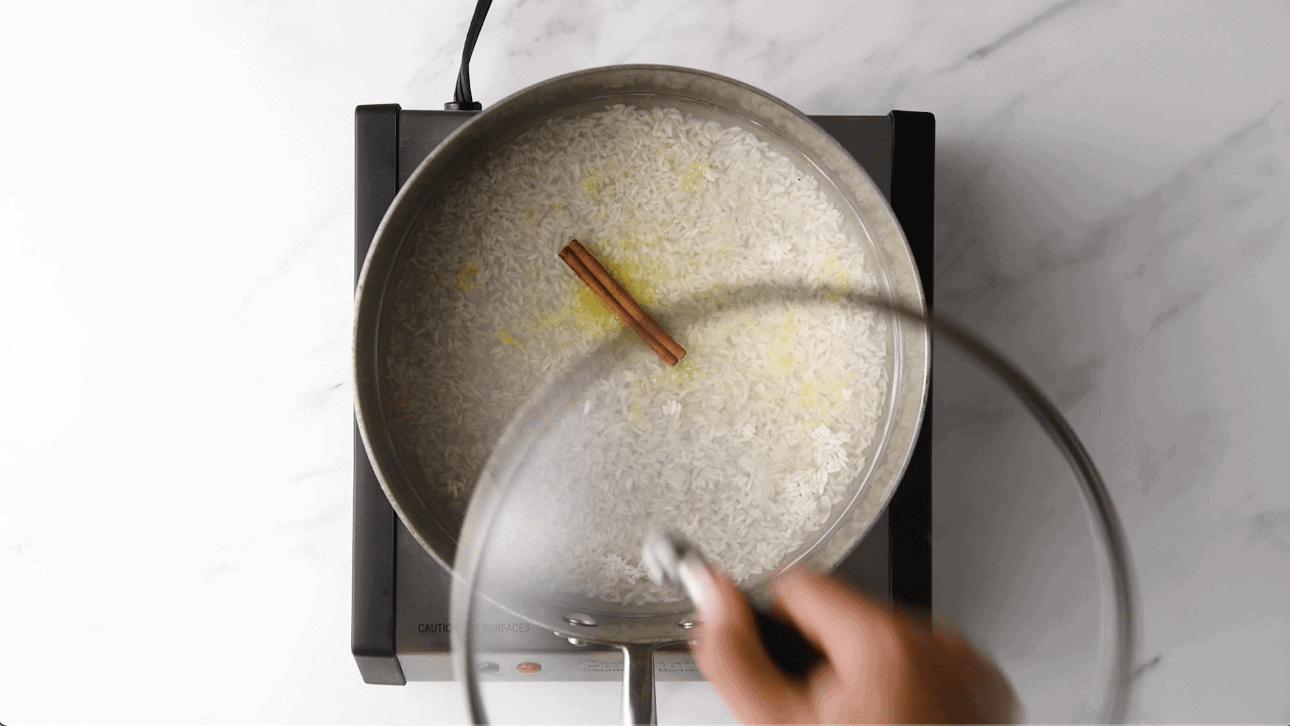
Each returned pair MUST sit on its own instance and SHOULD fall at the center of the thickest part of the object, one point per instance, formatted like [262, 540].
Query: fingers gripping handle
[669, 557]
[786, 645]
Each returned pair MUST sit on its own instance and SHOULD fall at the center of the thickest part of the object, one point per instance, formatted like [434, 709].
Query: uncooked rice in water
[748, 444]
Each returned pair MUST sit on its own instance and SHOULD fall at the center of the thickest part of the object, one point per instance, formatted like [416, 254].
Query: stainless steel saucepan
[868, 221]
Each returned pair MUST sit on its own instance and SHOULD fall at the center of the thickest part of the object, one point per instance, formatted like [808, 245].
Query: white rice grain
[746, 446]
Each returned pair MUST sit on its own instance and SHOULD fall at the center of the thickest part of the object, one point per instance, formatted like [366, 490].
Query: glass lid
[555, 618]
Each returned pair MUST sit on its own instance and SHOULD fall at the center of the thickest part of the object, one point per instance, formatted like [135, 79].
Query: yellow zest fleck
[635, 398]
[782, 355]
[691, 177]
[508, 339]
[823, 396]
[588, 312]
[682, 372]
[468, 276]
[835, 275]
[592, 183]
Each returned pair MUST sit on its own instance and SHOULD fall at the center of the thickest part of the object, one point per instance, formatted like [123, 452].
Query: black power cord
[462, 99]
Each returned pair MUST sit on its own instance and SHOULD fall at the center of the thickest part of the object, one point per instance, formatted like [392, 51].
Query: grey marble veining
[1113, 180]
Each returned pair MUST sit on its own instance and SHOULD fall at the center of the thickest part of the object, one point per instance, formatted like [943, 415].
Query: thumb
[729, 651]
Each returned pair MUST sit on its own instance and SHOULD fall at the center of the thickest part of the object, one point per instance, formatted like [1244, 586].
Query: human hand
[879, 666]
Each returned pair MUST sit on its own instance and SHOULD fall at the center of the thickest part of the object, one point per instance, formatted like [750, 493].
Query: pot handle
[639, 704]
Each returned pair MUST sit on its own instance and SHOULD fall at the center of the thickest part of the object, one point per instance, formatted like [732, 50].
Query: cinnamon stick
[621, 295]
[613, 304]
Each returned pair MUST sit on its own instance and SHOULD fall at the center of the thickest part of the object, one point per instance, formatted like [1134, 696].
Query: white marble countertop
[175, 236]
